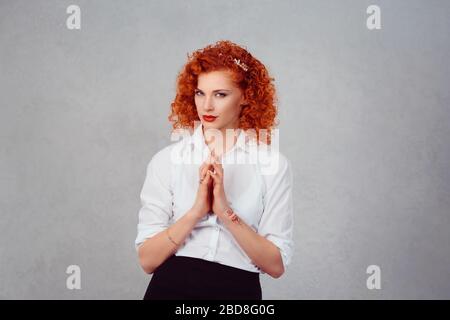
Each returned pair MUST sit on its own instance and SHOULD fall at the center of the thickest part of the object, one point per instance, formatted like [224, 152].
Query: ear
[243, 101]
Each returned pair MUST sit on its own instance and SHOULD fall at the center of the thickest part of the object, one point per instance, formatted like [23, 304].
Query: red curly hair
[260, 110]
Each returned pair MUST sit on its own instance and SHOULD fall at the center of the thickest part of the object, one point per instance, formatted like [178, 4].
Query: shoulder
[160, 167]
[277, 176]
[272, 161]
[166, 157]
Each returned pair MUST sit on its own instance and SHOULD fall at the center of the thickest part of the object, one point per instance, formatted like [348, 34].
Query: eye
[197, 92]
[221, 94]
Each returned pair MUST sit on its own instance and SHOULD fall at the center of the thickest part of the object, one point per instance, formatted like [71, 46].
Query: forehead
[215, 80]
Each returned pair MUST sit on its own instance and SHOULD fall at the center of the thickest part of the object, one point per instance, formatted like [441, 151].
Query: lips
[209, 118]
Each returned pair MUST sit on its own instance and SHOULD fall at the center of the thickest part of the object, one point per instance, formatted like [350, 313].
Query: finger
[211, 175]
[214, 176]
[218, 168]
[216, 171]
[206, 178]
[200, 169]
[204, 167]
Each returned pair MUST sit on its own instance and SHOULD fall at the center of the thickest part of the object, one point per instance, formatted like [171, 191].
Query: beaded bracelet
[232, 216]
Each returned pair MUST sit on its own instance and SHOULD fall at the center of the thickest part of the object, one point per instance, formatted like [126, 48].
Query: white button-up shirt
[258, 185]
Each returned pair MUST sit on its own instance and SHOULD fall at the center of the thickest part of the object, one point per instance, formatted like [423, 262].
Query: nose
[208, 104]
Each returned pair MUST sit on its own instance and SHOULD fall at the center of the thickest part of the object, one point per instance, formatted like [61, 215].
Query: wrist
[227, 215]
[194, 214]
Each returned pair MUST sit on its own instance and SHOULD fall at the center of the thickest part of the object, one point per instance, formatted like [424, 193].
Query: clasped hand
[211, 192]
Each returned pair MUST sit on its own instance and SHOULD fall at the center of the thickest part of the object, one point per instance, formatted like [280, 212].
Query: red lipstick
[209, 118]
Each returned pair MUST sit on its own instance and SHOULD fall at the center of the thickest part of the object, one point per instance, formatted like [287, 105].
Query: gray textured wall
[364, 118]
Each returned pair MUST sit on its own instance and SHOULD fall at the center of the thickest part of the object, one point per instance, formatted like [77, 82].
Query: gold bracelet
[170, 238]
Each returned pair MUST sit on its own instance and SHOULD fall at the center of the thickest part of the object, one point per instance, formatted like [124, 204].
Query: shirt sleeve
[277, 220]
[156, 199]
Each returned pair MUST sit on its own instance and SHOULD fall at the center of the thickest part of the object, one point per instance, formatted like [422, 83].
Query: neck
[219, 145]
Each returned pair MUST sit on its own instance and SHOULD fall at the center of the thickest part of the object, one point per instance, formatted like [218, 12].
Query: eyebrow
[217, 90]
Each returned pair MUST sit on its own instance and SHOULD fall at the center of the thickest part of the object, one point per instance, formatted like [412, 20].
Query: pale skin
[216, 95]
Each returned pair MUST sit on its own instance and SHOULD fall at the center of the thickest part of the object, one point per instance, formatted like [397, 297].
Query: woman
[211, 223]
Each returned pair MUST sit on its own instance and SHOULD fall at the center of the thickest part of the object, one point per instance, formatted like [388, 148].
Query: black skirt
[186, 278]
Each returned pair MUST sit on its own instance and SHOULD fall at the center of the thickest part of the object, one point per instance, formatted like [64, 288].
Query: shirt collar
[198, 141]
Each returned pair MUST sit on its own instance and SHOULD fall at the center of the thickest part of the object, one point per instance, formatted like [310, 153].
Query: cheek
[230, 108]
[196, 102]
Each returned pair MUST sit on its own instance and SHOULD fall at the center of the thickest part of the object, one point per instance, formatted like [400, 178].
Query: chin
[207, 124]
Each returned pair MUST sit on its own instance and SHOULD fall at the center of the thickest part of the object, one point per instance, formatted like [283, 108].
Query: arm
[153, 243]
[262, 247]
[261, 251]
[155, 250]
